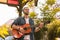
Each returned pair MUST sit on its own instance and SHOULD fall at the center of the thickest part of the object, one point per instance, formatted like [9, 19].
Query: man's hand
[41, 25]
[37, 29]
[22, 30]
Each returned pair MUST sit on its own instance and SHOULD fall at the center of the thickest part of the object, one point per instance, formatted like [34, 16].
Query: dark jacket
[21, 21]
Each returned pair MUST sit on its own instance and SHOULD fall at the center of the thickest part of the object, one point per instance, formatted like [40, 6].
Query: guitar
[18, 33]
[27, 28]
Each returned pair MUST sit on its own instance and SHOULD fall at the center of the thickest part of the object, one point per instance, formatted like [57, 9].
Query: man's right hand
[18, 28]
[22, 30]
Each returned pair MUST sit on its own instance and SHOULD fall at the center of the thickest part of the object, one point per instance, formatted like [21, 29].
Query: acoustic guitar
[18, 33]
[27, 30]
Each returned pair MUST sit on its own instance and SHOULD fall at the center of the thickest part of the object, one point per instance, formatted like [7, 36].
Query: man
[24, 20]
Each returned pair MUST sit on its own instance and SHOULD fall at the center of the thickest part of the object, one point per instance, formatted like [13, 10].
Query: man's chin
[26, 14]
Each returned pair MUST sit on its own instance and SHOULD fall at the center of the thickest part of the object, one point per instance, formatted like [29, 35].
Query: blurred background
[46, 11]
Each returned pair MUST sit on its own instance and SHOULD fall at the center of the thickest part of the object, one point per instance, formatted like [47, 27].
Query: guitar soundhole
[25, 28]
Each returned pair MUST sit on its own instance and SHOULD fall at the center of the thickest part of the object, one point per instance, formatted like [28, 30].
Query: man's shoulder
[31, 19]
[19, 18]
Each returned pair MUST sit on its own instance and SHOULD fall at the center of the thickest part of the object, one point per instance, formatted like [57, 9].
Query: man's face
[26, 10]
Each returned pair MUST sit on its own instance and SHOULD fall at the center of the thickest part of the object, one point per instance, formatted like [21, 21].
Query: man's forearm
[15, 27]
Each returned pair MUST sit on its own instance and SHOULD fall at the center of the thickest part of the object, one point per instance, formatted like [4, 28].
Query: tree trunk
[36, 1]
[21, 6]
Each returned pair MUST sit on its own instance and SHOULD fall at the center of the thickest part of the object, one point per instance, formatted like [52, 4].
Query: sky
[8, 12]
[58, 1]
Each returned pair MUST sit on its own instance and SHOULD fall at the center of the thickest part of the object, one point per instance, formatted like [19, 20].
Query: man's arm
[36, 29]
[15, 27]
[39, 27]
[15, 24]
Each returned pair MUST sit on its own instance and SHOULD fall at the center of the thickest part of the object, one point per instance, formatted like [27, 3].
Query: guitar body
[18, 34]
[27, 28]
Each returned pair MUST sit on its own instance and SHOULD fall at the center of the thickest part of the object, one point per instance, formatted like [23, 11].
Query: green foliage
[39, 35]
[54, 11]
[45, 8]
[54, 29]
[54, 25]
[50, 2]
[58, 31]
[32, 15]
[3, 31]
[48, 11]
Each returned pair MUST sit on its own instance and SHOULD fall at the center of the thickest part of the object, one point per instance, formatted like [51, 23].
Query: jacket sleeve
[32, 25]
[16, 22]
[32, 22]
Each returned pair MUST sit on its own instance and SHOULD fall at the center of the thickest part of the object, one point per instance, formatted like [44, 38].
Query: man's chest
[27, 20]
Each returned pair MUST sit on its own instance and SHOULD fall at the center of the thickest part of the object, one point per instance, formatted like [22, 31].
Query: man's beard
[26, 13]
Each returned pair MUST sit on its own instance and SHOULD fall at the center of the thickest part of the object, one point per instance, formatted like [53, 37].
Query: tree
[36, 1]
[49, 12]
[22, 3]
